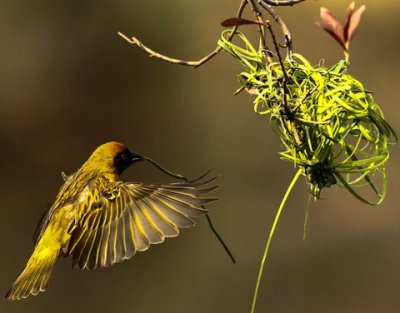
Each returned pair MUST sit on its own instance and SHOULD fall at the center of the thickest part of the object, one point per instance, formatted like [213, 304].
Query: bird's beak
[136, 157]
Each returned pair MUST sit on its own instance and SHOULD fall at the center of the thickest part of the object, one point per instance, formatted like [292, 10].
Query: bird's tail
[35, 277]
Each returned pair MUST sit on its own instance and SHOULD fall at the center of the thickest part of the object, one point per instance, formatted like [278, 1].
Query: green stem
[271, 234]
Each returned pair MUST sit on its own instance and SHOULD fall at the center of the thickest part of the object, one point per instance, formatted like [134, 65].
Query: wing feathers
[167, 211]
[167, 228]
[141, 242]
[190, 190]
[112, 250]
[104, 261]
[114, 228]
[152, 233]
[185, 198]
[181, 207]
[130, 245]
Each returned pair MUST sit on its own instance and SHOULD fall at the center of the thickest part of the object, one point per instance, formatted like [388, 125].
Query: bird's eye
[123, 156]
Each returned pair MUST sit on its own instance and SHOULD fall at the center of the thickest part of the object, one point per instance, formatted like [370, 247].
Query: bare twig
[278, 53]
[261, 27]
[265, 4]
[282, 2]
[152, 53]
[287, 109]
[285, 30]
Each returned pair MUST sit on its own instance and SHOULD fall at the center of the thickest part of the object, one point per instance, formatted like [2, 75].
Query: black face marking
[122, 161]
[125, 158]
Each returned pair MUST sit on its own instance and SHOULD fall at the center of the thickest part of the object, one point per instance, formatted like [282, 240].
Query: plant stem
[279, 20]
[271, 234]
[136, 42]
[282, 2]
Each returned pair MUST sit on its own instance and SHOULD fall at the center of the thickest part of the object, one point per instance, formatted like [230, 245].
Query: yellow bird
[100, 220]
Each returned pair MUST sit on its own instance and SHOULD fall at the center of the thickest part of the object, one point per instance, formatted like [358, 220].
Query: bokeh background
[69, 83]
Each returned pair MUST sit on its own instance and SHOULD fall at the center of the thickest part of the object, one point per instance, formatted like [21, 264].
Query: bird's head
[112, 157]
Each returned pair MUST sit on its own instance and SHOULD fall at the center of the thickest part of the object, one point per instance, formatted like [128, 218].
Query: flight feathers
[136, 216]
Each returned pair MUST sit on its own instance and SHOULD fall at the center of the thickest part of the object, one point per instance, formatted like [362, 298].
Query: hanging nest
[330, 126]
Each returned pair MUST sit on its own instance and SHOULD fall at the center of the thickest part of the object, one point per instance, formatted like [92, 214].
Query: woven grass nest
[329, 124]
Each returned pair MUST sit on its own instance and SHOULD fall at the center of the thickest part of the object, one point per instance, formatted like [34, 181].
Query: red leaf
[331, 24]
[353, 22]
[236, 21]
[349, 13]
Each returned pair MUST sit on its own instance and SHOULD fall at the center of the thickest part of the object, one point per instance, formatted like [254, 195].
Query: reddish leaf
[353, 22]
[236, 21]
[342, 35]
[349, 13]
[330, 24]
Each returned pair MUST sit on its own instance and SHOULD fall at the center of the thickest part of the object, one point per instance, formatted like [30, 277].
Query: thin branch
[282, 2]
[287, 109]
[278, 53]
[285, 30]
[261, 27]
[152, 53]
[135, 41]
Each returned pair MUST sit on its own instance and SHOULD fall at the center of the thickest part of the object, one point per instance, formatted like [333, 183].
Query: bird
[100, 220]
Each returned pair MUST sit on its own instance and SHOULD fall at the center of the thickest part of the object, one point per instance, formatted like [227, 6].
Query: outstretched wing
[116, 225]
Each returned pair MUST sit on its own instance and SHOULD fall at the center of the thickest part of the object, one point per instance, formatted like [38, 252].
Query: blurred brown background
[69, 83]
